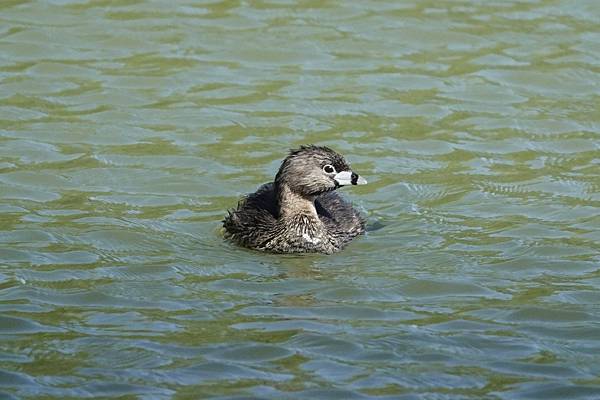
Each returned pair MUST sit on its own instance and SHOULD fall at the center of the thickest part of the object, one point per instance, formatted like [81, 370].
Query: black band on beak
[354, 178]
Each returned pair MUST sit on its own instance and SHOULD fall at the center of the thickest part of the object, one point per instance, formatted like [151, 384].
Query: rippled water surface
[128, 127]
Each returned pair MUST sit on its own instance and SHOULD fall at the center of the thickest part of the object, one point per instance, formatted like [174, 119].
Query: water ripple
[127, 129]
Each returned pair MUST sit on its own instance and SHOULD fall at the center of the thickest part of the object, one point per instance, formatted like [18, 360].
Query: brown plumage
[299, 212]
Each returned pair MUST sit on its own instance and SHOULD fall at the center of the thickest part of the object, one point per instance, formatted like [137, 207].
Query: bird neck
[292, 204]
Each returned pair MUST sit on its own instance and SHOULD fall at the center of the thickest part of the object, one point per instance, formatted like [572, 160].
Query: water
[128, 128]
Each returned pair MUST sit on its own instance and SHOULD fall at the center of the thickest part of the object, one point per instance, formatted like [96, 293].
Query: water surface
[127, 128]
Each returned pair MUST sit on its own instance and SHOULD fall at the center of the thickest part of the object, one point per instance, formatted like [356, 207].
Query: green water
[128, 127]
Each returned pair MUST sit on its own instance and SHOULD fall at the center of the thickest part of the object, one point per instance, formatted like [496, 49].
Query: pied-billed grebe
[299, 212]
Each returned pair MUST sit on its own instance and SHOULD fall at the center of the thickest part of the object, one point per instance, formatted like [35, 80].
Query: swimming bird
[299, 212]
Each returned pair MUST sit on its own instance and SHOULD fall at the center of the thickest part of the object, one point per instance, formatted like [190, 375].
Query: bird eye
[329, 169]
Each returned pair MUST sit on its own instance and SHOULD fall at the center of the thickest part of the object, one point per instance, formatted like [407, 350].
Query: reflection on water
[128, 128]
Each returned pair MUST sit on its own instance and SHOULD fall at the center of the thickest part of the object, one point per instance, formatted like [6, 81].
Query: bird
[299, 212]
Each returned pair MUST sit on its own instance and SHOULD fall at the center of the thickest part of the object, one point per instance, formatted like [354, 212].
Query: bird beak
[349, 178]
